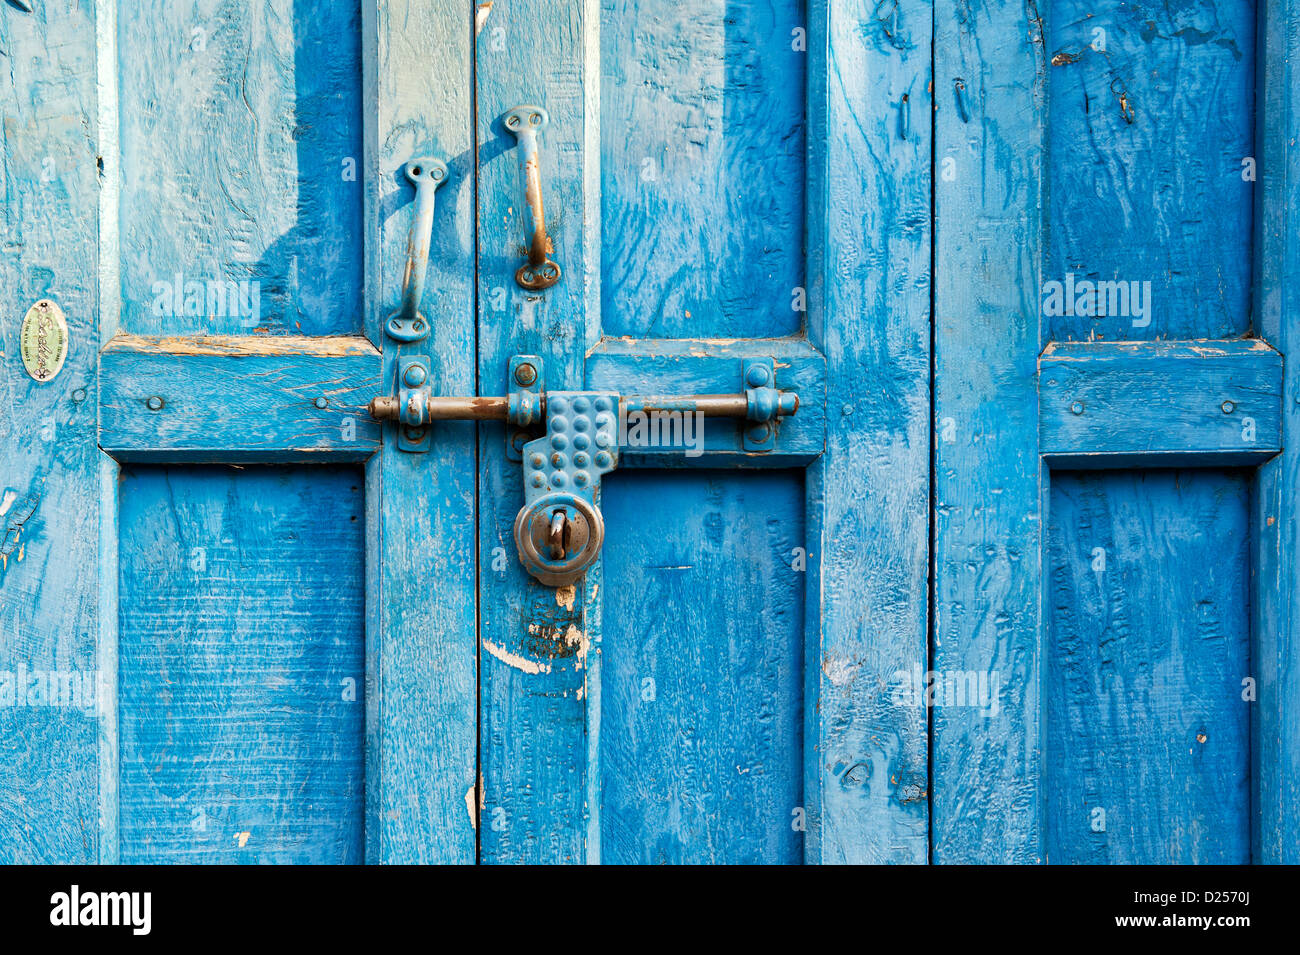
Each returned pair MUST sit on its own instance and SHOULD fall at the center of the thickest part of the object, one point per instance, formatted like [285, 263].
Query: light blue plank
[1206, 402]
[421, 724]
[239, 399]
[50, 770]
[702, 699]
[1147, 733]
[537, 687]
[701, 167]
[1144, 186]
[1275, 598]
[868, 244]
[990, 75]
[241, 665]
[241, 161]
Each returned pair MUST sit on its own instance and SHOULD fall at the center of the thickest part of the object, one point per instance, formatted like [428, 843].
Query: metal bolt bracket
[766, 405]
[527, 383]
[413, 391]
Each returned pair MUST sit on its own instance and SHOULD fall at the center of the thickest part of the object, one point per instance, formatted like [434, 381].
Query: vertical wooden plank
[990, 83]
[49, 476]
[421, 657]
[869, 312]
[536, 641]
[1276, 593]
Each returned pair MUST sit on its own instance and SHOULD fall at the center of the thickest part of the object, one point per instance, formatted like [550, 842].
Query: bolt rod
[386, 408]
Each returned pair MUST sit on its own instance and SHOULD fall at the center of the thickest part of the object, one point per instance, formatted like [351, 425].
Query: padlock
[559, 536]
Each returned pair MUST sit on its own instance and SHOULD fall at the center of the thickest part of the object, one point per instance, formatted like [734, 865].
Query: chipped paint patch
[575, 637]
[839, 672]
[469, 807]
[242, 838]
[481, 15]
[565, 596]
[7, 501]
[523, 664]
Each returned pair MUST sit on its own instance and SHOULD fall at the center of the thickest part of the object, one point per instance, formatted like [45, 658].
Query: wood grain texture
[238, 407]
[986, 805]
[421, 641]
[1275, 597]
[1151, 119]
[241, 161]
[702, 700]
[49, 487]
[701, 167]
[241, 665]
[1147, 732]
[538, 686]
[1212, 402]
[868, 269]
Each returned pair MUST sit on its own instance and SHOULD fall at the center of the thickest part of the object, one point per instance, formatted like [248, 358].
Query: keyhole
[558, 535]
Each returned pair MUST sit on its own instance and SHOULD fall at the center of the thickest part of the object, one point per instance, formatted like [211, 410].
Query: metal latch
[559, 530]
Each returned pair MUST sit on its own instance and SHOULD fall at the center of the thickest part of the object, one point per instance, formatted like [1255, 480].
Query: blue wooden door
[1015, 582]
[220, 644]
[1115, 457]
[723, 181]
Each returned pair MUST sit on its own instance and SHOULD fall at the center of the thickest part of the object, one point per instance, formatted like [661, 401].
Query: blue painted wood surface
[1275, 597]
[1157, 404]
[241, 161]
[245, 398]
[421, 659]
[990, 74]
[1147, 734]
[241, 665]
[50, 617]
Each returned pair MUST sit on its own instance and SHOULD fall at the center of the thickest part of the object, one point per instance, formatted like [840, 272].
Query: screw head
[760, 432]
[525, 374]
[415, 376]
[1228, 407]
[758, 376]
[321, 403]
[155, 403]
[1077, 407]
[414, 434]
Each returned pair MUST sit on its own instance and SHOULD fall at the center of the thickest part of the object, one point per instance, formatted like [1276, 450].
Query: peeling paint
[242, 838]
[515, 660]
[565, 596]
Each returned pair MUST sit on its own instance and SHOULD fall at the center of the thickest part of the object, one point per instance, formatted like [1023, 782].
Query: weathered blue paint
[50, 767]
[241, 665]
[1159, 404]
[868, 275]
[536, 643]
[1275, 571]
[1147, 736]
[248, 398]
[421, 661]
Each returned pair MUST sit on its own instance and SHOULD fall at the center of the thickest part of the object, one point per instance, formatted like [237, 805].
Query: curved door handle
[526, 122]
[407, 324]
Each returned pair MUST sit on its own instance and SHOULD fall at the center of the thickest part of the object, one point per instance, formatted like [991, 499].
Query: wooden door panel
[241, 162]
[702, 131]
[1147, 737]
[701, 707]
[241, 664]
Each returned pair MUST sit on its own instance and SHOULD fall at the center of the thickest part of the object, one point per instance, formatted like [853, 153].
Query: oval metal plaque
[44, 340]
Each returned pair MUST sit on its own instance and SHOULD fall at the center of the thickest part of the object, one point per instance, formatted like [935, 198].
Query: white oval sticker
[44, 340]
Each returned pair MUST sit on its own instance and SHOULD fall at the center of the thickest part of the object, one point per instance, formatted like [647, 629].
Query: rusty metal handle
[407, 324]
[540, 271]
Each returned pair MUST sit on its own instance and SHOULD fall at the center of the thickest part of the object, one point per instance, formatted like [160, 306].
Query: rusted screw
[155, 403]
[525, 374]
